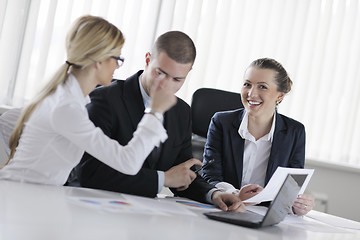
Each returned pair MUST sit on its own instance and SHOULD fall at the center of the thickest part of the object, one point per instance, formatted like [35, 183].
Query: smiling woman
[247, 145]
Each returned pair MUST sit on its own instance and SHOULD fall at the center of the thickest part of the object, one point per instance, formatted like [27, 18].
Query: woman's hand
[303, 204]
[248, 191]
[162, 99]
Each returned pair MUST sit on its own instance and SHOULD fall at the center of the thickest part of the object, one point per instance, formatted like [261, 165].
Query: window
[34, 43]
[316, 41]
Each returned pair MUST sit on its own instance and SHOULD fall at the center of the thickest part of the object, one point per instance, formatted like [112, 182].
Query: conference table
[31, 211]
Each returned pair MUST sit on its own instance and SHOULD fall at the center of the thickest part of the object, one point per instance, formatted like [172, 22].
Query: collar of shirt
[146, 98]
[74, 87]
[245, 134]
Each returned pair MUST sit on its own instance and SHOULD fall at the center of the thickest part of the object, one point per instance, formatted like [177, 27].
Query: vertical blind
[317, 41]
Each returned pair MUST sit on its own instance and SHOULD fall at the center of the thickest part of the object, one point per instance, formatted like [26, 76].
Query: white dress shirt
[8, 121]
[255, 159]
[59, 131]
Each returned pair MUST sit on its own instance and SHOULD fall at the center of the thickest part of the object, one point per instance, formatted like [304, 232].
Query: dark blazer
[226, 146]
[117, 109]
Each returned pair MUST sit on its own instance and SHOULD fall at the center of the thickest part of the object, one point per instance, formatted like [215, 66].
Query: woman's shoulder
[290, 122]
[227, 118]
[229, 114]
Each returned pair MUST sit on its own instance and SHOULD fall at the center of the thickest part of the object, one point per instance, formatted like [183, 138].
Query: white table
[36, 212]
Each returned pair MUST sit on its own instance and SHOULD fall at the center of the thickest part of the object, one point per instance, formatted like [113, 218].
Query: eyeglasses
[119, 60]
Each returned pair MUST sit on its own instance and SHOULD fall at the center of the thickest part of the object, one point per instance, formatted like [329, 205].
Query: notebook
[276, 212]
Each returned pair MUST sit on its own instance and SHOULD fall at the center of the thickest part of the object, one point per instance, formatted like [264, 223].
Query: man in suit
[117, 110]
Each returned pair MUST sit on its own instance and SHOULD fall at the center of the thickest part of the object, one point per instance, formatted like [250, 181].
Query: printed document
[275, 182]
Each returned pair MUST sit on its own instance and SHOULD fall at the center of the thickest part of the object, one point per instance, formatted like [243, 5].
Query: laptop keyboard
[247, 215]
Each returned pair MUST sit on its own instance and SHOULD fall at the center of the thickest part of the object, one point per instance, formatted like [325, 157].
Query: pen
[204, 166]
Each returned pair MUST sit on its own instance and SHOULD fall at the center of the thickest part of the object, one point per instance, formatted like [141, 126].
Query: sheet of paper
[132, 204]
[191, 204]
[158, 205]
[112, 205]
[333, 220]
[276, 181]
[311, 225]
[303, 222]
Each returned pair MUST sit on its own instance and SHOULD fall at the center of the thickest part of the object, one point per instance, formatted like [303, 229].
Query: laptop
[276, 212]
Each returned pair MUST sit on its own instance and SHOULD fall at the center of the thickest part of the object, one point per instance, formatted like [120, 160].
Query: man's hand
[248, 191]
[228, 201]
[181, 176]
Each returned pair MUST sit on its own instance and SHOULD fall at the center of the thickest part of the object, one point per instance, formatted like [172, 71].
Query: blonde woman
[54, 130]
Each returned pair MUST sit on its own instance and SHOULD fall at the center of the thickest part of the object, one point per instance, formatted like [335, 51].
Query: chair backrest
[206, 102]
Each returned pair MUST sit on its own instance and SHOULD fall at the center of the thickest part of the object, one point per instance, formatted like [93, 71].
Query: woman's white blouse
[59, 131]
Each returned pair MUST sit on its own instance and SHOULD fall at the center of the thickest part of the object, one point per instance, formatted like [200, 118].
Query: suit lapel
[278, 142]
[171, 119]
[135, 107]
[134, 102]
[237, 145]
[156, 160]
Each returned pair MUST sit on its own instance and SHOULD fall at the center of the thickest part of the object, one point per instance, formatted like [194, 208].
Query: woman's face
[259, 92]
[107, 71]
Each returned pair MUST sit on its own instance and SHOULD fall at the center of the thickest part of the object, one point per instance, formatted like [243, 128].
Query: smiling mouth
[252, 103]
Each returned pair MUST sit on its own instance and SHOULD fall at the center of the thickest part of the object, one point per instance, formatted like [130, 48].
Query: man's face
[161, 69]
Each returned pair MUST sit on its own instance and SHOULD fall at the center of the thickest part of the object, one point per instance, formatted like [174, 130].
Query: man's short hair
[177, 45]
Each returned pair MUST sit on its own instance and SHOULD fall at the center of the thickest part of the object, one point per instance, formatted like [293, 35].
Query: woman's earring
[276, 105]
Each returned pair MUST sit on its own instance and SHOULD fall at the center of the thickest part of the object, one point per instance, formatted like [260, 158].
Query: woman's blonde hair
[90, 39]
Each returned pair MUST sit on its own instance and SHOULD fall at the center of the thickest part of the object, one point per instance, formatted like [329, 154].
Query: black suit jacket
[226, 146]
[117, 109]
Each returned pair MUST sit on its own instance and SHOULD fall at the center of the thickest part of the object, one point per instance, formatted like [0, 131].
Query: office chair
[204, 104]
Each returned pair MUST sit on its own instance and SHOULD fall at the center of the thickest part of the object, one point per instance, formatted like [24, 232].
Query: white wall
[340, 185]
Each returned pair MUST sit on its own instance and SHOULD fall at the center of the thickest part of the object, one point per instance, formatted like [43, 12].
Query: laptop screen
[284, 199]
